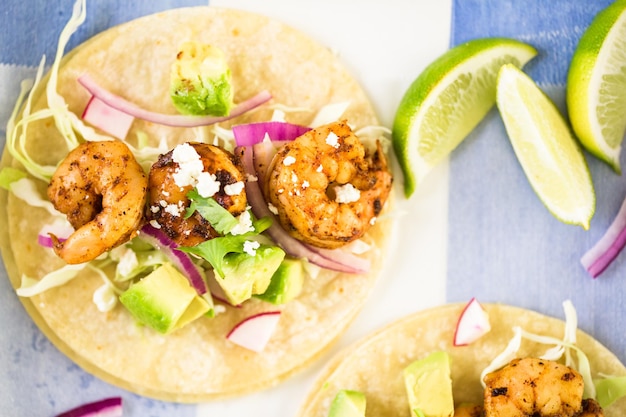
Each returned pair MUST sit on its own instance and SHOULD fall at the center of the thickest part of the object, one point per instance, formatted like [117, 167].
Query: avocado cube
[348, 403]
[286, 283]
[245, 275]
[164, 300]
[429, 386]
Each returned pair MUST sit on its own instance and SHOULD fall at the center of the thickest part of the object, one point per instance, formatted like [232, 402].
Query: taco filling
[526, 365]
[204, 192]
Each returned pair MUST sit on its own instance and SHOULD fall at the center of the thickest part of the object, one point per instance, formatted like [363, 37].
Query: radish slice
[600, 256]
[254, 332]
[330, 259]
[253, 133]
[59, 228]
[108, 119]
[472, 325]
[179, 259]
[109, 407]
[176, 120]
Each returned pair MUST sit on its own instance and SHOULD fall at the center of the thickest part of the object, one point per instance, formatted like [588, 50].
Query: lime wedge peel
[548, 152]
[596, 84]
[447, 100]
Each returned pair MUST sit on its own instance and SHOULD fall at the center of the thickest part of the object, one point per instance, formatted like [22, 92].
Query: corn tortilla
[374, 364]
[195, 363]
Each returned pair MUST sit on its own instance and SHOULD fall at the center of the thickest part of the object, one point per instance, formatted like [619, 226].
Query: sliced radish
[108, 119]
[254, 332]
[472, 324]
[109, 407]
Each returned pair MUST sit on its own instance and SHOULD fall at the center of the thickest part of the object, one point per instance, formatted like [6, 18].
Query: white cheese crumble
[155, 224]
[294, 178]
[347, 193]
[252, 178]
[333, 140]
[244, 225]
[155, 209]
[272, 208]
[250, 247]
[320, 168]
[189, 165]
[128, 262]
[234, 189]
[207, 184]
[289, 160]
[305, 184]
[174, 210]
[105, 298]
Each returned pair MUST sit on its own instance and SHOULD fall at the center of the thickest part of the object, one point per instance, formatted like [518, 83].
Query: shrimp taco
[532, 365]
[162, 286]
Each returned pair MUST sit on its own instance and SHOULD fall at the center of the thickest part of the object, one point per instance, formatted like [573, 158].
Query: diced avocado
[348, 403]
[164, 300]
[200, 80]
[245, 275]
[429, 386]
[286, 283]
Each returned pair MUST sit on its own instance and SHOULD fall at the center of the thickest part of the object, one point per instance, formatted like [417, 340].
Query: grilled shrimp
[534, 387]
[326, 190]
[101, 188]
[168, 199]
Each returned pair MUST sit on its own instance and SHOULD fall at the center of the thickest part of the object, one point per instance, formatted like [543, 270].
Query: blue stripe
[503, 244]
[21, 21]
[47, 382]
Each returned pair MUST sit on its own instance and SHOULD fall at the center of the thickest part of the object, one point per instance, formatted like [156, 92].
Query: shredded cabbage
[30, 286]
[26, 190]
[609, 389]
[9, 175]
[560, 347]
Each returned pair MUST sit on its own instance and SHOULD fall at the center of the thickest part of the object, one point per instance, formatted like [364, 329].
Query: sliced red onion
[59, 228]
[253, 133]
[600, 256]
[473, 323]
[262, 155]
[332, 260]
[179, 259]
[177, 120]
[254, 332]
[109, 407]
[108, 119]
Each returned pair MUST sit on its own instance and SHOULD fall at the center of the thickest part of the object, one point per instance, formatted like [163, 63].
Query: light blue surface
[504, 246]
[35, 378]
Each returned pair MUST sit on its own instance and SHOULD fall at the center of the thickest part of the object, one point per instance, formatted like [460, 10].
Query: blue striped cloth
[504, 246]
[36, 379]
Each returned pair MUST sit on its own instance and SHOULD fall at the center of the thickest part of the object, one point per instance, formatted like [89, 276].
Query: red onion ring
[177, 120]
[180, 259]
[600, 256]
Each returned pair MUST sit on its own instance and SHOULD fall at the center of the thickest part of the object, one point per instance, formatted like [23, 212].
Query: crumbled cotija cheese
[332, 140]
[189, 165]
[347, 193]
[234, 189]
[250, 247]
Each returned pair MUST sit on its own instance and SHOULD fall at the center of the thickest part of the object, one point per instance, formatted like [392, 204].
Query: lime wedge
[596, 83]
[447, 100]
[548, 152]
